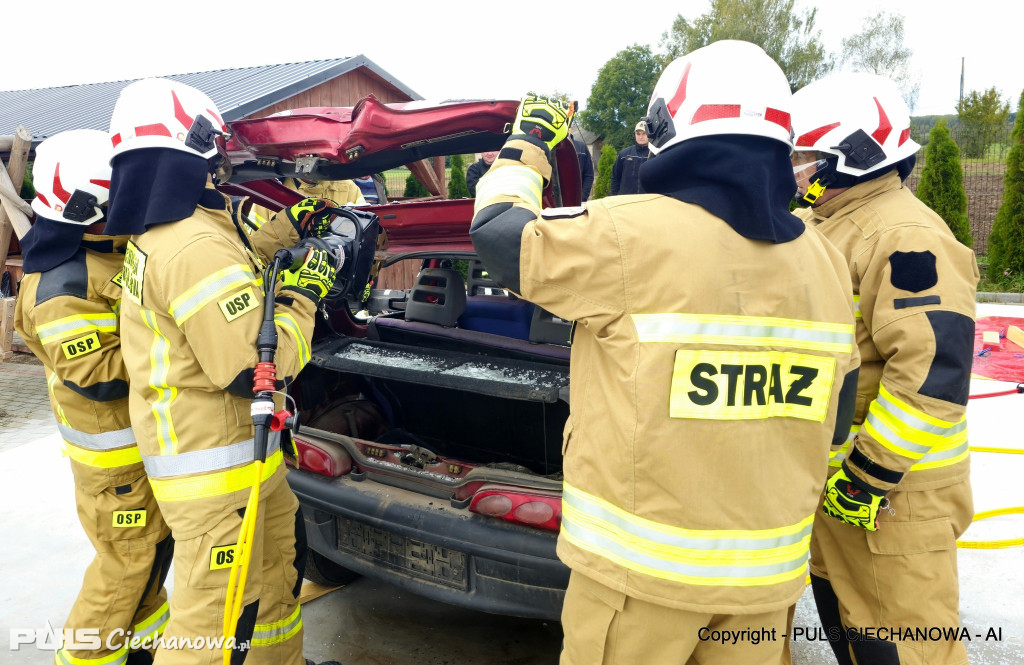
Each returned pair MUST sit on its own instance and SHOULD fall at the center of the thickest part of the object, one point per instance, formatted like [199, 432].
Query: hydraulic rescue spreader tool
[349, 242]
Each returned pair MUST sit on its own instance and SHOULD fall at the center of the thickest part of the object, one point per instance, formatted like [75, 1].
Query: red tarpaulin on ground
[1004, 362]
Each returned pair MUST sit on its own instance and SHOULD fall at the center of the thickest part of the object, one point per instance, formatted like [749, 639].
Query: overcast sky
[456, 49]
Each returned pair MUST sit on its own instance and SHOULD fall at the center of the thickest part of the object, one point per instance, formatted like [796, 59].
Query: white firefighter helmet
[71, 175]
[160, 113]
[727, 87]
[859, 118]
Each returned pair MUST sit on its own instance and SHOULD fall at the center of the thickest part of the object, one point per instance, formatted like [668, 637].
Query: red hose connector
[265, 377]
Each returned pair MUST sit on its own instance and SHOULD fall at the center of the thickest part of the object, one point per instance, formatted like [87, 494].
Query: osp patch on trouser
[605, 627]
[201, 571]
[902, 577]
[122, 593]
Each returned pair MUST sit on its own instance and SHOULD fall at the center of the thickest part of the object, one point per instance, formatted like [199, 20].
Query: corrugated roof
[236, 92]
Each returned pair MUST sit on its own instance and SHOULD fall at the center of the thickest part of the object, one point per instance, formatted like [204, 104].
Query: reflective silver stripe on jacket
[207, 461]
[105, 441]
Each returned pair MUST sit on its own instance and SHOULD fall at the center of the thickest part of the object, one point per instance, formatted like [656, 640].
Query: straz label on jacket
[238, 304]
[124, 519]
[133, 272]
[750, 385]
[81, 346]
[222, 557]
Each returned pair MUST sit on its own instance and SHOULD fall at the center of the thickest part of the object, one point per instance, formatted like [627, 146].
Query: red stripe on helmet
[179, 112]
[58, 188]
[780, 118]
[152, 130]
[102, 183]
[810, 138]
[216, 117]
[680, 96]
[715, 112]
[884, 126]
[43, 199]
[904, 135]
[115, 139]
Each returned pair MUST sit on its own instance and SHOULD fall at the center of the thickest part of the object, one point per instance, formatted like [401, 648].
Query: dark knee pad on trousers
[243, 632]
[828, 612]
[301, 550]
[141, 657]
[876, 652]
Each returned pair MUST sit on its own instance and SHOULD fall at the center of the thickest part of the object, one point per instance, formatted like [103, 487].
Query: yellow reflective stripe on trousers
[108, 459]
[909, 432]
[856, 305]
[269, 634]
[117, 658]
[154, 624]
[212, 484]
[208, 289]
[518, 181]
[160, 369]
[70, 326]
[707, 557]
[737, 330]
[291, 326]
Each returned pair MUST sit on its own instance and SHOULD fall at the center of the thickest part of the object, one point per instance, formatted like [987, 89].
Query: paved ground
[43, 552]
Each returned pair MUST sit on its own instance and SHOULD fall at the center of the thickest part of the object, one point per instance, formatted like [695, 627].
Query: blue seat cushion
[497, 315]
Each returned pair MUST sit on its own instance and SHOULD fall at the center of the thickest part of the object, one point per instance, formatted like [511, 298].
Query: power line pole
[962, 80]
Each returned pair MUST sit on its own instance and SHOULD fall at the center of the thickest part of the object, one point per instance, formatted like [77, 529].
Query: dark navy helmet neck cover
[153, 186]
[747, 181]
[49, 243]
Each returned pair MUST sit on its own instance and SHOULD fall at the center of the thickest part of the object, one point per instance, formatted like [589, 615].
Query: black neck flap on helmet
[49, 243]
[747, 181]
[153, 186]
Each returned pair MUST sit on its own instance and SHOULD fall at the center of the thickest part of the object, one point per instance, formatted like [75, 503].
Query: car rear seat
[438, 302]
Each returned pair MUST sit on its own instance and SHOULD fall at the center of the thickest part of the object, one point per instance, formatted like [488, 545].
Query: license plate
[423, 560]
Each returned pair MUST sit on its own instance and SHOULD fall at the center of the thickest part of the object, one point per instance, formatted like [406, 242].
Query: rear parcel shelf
[498, 377]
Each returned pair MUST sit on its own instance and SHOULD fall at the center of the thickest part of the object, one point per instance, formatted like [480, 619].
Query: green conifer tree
[457, 188]
[414, 188]
[941, 187]
[603, 181]
[1006, 243]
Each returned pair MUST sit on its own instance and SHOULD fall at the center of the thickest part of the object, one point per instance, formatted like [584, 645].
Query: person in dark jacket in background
[478, 168]
[586, 166]
[626, 172]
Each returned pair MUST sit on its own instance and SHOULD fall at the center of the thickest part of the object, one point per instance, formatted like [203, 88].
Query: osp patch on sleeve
[124, 519]
[238, 304]
[81, 346]
[750, 385]
[133, 272]
[222, 557]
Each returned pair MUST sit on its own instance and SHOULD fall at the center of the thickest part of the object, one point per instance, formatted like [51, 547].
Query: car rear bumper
[426, 546]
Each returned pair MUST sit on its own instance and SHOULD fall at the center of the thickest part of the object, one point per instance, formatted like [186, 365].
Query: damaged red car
[429, 446]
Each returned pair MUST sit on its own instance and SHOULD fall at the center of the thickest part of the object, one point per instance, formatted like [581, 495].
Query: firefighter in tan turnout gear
[191, 312]
[713, 363]
[899, 488]
[67, 314]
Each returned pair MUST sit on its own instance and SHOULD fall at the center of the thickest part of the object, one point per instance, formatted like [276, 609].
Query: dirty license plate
[423, 560]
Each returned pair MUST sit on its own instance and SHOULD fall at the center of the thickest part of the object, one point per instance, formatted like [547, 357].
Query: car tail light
[324, 458]
[520, 506]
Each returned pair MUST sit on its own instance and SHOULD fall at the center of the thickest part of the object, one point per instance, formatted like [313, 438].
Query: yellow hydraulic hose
[240, 564]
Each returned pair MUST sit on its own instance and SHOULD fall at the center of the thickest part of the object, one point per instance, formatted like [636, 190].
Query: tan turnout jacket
[705, 370]
[915, 289]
